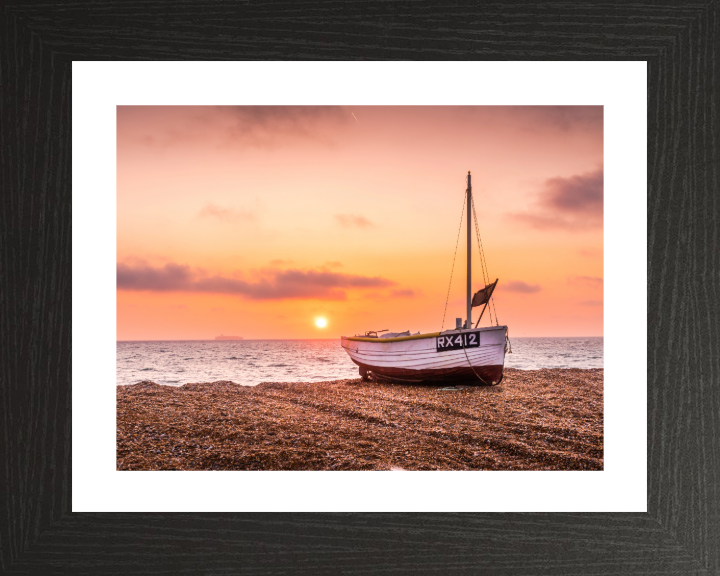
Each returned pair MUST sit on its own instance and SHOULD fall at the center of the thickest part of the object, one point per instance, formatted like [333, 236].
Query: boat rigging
[463, 353]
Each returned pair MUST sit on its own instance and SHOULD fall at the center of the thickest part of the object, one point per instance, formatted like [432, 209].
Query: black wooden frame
[681, 530]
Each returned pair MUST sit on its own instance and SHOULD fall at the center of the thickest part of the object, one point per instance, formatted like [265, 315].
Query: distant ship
[223, 337]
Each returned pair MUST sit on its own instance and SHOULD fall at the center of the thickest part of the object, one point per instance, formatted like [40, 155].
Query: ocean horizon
[252, 361]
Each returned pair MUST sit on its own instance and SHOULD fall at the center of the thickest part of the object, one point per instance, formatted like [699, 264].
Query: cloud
[405, 293]
[272, 284]
[573, 203]
[563, 118]
[349, 220]
[582, 193]
[544, 121]
[226, 214]
[230, 126]
[293, 117]
[594, 281]
[534, 119]
[271, 126]
[520, 286]
[169, 277]
[392, 294]
[591, 303]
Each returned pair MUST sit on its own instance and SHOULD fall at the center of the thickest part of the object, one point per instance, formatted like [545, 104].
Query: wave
[303, 361]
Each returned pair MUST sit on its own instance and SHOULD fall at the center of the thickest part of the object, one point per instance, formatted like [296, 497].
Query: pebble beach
[550, 419]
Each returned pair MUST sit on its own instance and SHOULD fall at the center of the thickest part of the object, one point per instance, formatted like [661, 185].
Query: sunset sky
[257, 221]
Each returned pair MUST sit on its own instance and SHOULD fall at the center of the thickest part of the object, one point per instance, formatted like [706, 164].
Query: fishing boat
[465, 353]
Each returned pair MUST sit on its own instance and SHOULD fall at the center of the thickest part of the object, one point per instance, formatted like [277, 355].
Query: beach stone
[549, 419]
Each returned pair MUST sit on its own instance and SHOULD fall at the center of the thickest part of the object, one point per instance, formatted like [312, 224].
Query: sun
[320, 322]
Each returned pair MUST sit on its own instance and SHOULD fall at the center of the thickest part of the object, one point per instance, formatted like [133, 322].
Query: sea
[250, 362]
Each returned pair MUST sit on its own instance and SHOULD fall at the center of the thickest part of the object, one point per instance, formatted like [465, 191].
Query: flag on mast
[483, 296]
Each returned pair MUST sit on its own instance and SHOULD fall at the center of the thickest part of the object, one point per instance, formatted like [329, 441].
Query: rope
[483, 267]
[471, 366]
[483, 263]
[453, 264]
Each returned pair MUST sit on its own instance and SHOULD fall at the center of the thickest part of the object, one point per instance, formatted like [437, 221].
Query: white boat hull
[421, 358]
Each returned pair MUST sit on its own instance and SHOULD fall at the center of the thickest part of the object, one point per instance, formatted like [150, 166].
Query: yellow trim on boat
[398, 339]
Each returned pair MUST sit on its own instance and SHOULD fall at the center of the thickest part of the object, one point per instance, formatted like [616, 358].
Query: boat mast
[469, 271]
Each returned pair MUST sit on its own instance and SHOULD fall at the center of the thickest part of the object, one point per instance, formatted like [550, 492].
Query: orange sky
[255, 221]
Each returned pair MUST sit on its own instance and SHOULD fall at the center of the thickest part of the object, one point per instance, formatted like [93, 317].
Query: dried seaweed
[549, 419]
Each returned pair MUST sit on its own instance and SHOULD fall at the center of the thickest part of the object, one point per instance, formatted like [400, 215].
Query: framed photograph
[194, 234]
[306, 228]
[650, 508]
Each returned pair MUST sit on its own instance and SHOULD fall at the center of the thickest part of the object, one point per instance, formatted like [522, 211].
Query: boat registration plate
[458, 341]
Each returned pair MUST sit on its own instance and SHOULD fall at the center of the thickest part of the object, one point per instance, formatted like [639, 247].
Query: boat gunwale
[397, 339]
[417, 336]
